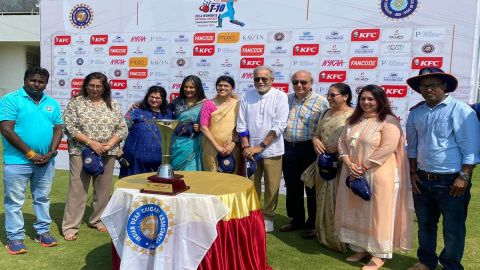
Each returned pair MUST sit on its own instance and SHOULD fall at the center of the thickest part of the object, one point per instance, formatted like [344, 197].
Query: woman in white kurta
[372, 145]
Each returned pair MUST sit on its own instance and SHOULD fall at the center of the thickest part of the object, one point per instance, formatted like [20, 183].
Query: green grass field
[285, 250]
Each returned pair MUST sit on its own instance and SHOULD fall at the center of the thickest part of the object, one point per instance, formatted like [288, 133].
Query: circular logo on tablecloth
[148, 226]
[81, 16]
[398, 9]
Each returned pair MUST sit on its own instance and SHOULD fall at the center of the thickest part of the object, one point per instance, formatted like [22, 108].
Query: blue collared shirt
[444, 137]
[34, 123]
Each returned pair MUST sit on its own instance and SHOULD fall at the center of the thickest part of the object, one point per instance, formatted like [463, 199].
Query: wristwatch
[465, 176]
[54, 153]
[263, 145]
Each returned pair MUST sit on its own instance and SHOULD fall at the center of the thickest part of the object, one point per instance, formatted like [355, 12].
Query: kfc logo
[98, 39]
[76, 83]
[281, 86]
[332, 76]
[363, 62]
[118, 84]
[62, 40]
[203, 50]
[365, 34]
[395, 91]
[423, 62]
[306, 49]
[251, 62]
[203, 38]
[252, 50]
[137, 73]
[118, 50]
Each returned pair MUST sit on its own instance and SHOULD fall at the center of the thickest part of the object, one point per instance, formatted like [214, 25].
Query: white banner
[142, 43]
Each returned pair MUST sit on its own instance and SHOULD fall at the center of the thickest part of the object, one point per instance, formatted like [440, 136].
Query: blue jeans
[15, 180]
[434, 201]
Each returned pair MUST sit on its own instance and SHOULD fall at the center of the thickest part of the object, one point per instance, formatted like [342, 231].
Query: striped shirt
[303, 116]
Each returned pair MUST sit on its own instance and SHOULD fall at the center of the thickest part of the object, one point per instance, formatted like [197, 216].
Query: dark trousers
[433, 201]
[297, 157]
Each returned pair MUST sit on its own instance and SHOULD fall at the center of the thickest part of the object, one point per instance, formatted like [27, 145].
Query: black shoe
[308, 234]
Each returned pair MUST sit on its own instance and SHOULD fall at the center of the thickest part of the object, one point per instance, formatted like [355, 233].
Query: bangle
[30, 154]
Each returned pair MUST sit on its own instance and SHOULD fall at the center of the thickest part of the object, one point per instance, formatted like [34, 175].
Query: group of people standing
[363, 199]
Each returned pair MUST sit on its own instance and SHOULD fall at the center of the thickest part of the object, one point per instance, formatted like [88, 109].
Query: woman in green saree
[186, 146]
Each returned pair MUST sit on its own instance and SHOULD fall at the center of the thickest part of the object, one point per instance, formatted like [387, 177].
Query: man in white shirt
[262, 119]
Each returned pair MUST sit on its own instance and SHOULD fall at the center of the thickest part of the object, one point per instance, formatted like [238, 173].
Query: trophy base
[165, 186]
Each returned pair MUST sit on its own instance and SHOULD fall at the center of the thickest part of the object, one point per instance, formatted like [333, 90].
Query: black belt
[435, 176]
[302, 143]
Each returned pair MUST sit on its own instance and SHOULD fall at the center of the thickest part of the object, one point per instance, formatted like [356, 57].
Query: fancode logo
[62, 40]
[252, 50]
[138, 62]
[281, 86]
[365, 34]
[251, 62]
[118, 84]
[204, 38]
[118, 50]
[138, 39]
[228, 37]
[76, 83]
[332, 76]
[203, 50]
[137, 73]
[363, 62]
[305, 49]
[423, 62]
[98, 39]
[395, 91]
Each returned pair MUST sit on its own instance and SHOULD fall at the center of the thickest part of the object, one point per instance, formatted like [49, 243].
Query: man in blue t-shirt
[31, 127]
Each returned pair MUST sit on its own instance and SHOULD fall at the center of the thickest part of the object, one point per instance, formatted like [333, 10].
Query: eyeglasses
[155, 98]
[430, 86]
[302, 82]
[263, 79]
[95, 86]
[332, 95]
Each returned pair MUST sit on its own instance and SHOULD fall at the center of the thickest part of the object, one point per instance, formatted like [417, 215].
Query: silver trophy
[167, 127]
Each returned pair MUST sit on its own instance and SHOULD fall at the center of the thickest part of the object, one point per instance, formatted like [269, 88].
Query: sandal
[419, 266]
[358, 256]
[99, 226]
[70, 237]
[375, 263]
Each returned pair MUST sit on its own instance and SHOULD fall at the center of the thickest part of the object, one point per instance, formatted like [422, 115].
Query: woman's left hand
[229, 148]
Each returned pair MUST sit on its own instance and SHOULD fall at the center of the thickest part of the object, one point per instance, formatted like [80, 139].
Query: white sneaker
[269, 225]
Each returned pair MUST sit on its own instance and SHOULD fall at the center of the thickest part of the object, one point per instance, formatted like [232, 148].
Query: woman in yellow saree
[217, 123]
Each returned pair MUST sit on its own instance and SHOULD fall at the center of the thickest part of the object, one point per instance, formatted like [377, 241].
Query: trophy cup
[165, 181]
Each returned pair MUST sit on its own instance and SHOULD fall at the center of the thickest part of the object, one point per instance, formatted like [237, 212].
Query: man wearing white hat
[442, 136]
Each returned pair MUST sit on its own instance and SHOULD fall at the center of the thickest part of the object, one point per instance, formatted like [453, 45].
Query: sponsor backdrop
[142, 43]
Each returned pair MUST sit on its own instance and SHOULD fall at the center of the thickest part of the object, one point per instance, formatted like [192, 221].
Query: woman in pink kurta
[372, 145]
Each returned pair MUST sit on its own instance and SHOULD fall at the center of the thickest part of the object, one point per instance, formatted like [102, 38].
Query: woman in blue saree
[186, 141]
